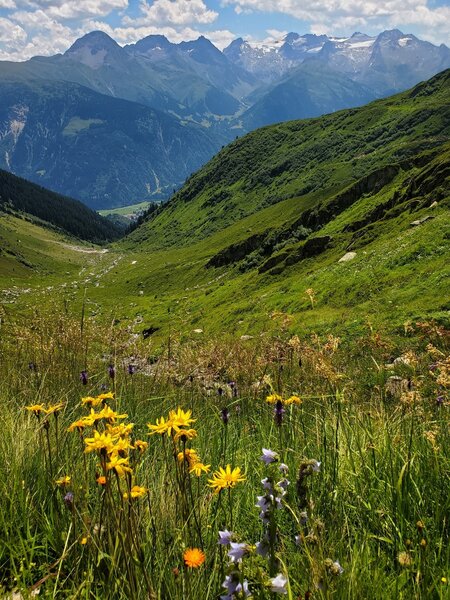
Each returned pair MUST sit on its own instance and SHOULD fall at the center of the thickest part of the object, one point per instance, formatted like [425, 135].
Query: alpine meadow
[233, 380]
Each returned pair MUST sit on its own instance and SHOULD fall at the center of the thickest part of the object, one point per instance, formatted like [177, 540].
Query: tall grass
[378, 505]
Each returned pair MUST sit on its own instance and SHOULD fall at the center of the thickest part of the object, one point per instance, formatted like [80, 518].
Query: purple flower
[237, 551]
[131, 369]
[269, 456]
[278, 584]
[440, 400]
[32, 366]
[68, 500]
[84, 377]
[279, 412]
[225, 537]
[220, 391]
[225, 415]
[267, 484]
[283, 469]
[262, 548]
[111, 371]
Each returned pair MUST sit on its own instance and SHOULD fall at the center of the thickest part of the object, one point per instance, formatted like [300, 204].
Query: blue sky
[42, 27]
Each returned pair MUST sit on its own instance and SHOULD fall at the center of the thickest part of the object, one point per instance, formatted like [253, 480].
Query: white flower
[269, 456]
[315, 464]
[283, 469]
[278, 584]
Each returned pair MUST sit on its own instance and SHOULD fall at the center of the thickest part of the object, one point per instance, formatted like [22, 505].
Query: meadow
[114, 454]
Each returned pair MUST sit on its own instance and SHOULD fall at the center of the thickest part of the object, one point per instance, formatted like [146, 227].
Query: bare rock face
[347, 257]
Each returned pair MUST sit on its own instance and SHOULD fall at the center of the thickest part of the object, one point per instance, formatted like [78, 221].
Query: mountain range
[113, 125]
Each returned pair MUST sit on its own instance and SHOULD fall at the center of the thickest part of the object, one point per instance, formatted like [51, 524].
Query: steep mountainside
[98, 149]
[309, 164]
[18, 196]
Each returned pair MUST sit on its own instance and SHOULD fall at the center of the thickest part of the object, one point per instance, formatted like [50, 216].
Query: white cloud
[173, 13]
[7, 4]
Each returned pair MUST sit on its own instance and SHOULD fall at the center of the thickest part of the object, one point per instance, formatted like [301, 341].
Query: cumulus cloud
[173, 13]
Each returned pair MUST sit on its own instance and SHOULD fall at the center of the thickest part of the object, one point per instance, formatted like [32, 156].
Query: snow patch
[404, 41]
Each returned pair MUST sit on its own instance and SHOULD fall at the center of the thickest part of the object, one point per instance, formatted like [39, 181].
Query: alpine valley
[112, 125]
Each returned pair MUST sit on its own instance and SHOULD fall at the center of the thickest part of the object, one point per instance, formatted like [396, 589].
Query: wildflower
[136, 492]
[120, 429]
[162, 426]
[193, 558]
[237, 551]
[36, 409]
[293, 400]
[444, 580]
[283, 469]
[225, 415]
[131, 369]
[119, 465]
[190, 456]
[440, 400]
[110, 415]
[333, 567]
[226, 478]
[111, 371]
[68, 500]
[100, 441]
[263, 547]
[404, 559]
[199, 468]
[181, 418]
[90, 401]
[101, 480]
[79, 425]
[278, 584]
[84, 377]
[225, 537]
[54, 408]
[279, 412]
[185, 434]
[269, 456]
[105, 396]
[122, 446]
[274, 398]
[63, 481]
[32, 366]
[84, 541]
[140, 445]
[315, 465]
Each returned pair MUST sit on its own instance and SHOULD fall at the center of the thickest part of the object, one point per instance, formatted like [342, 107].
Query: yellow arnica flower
[91, 418]
[106, 396]
[273, 398]
[162, 426]
[119, 465]
[226, 478]
[54, 408]
[140, 445]
[185, 434]
[193, 558]
[120, 430]
[63, 480]
[199, 468]
[84, 541]
[37, 409]
[77, 425]
[136, 492]
[90, 401]
[108, 413]
[100, 441]
[121, 446]
[180, 418]
[292, 400]
[190, 455]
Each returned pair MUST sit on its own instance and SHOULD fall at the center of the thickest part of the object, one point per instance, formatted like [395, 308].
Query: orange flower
[193, 557]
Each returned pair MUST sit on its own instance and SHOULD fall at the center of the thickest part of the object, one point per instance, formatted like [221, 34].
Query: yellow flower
[37, 409]
[180, 418]
[273, 398]
[108, 413]
[119, 465]
[120, 430]
[136, 492]
[100, 441]
[63, 481]
[101, 480]
[193, 557]
[91, 418]
[84, 541]
[199, 468]
[226, 478]
[122, 445]
[187, 434]
[190, 455]
[162, 426]
[54, 408]
[106, 396]
[140, 445]
[79, 425]
[293, 400]
[90, 401]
